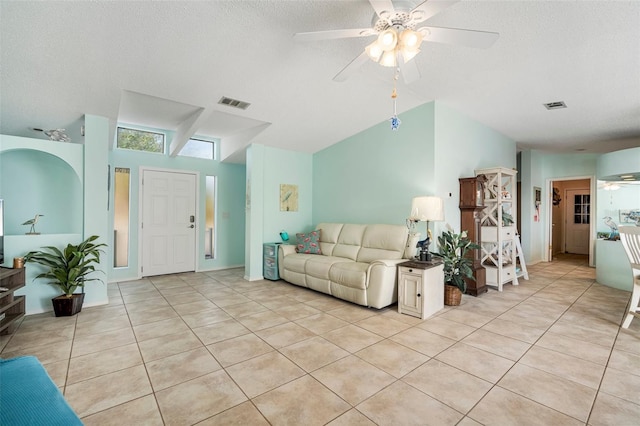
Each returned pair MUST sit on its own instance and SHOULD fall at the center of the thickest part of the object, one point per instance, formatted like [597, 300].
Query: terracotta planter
[64, 306]
[452, 295]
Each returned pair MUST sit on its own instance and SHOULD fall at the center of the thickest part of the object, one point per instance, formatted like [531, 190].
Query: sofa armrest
[382, 270]
[382, 279]
[386, 262]
[286, 250]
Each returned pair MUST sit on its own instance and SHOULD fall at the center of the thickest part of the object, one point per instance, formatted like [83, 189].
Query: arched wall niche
[34, 181]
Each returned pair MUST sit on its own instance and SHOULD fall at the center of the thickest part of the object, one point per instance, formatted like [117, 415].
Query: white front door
[577, 220]
[168, 222]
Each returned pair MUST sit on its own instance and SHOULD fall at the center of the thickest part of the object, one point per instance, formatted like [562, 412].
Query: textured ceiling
[163, 63]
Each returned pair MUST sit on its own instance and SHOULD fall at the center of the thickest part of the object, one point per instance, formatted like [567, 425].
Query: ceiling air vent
[233, 103]
[555, 105]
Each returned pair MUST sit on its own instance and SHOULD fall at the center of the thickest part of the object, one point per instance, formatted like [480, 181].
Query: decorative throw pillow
[308, 243]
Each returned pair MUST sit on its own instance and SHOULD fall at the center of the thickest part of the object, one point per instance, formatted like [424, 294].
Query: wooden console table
[11, 307]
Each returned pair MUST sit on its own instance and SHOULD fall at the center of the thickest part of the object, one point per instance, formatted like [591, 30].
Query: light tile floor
[213, 349]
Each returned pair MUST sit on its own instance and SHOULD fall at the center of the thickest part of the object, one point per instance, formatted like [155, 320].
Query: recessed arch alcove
[37, 182]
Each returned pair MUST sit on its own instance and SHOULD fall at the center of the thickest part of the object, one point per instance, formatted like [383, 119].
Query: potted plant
[68, 269]
[457, 265]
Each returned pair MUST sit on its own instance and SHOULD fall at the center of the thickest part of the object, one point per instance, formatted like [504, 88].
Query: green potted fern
[68, 269]
[457, 265]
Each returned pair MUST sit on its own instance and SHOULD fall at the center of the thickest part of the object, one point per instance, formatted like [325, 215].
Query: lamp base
[424, 256]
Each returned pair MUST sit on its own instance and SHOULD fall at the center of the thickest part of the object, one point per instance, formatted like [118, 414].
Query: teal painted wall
[36, 182]
[298, 171]
[532, 234]
[539, 168]
[268, 168]
[230, 214]
[463, 145]
[96, 148]
[619, 162]
[254, 227]
[556, 166]
[372, 176]
[65, 182]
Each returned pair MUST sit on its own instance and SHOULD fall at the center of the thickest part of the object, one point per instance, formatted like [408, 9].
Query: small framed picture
[288, 198]
[630, 216]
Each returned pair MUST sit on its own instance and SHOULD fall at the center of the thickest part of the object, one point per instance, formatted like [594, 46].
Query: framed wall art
[288, 198]
[630, 216]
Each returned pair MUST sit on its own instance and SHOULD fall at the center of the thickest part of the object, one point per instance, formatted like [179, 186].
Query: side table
[420, 287]
[270, 261]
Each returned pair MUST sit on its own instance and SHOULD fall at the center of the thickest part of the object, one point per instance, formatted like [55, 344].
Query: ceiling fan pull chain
[395, 121]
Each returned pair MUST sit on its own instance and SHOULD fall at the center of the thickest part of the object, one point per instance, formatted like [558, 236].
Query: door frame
[548, 256]
[141, 171]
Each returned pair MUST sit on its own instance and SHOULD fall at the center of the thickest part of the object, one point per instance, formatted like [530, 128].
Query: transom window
[140, 140]
[198, 148]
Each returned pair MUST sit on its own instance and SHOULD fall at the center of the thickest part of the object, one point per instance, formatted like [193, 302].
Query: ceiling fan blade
[469, 38]
[383, 8]
[429, 8]
[352, 67]
[334, 34]
[409, 71]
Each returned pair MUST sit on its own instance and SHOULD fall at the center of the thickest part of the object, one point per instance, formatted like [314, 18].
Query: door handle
[192, 226]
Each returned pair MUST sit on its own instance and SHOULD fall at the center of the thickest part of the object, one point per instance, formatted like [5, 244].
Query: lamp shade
[427, 209]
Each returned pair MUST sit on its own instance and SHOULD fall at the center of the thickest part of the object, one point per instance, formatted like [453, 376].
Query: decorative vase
[452, 295]
[64, 306]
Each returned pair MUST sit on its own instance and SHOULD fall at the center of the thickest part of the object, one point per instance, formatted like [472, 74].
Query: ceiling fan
[399, 36]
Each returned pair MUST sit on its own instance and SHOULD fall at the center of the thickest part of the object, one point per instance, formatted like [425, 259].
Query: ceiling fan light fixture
[374, 51]
[388, 39]
[389, 59]
[410, 39]
[424, 32]
[408, 55]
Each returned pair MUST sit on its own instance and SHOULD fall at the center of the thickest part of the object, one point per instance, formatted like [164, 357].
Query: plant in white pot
[457, 265]
[68, 269]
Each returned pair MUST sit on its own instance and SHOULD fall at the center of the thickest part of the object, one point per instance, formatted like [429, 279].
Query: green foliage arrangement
[453, 249]
[68, 268]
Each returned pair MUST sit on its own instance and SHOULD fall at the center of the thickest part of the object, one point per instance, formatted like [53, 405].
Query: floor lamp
[426, 209]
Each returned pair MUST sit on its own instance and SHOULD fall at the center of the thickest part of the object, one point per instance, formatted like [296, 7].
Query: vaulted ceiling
[167, 64]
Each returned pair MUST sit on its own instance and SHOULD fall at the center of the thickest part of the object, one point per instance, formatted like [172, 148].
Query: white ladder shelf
[523, 266]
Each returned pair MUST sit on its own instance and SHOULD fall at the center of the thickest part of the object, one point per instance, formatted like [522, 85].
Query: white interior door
[168, 222]
[577, 220]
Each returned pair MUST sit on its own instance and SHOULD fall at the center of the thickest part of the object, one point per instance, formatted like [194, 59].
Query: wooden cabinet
[420, 288]
[270, 261]
[471, 206]
[12, 307]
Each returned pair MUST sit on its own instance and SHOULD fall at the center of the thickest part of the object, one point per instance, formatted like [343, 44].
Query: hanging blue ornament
[395, 122]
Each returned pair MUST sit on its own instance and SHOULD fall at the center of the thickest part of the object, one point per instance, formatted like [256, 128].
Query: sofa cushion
[308, 243]
[349, 241]
[350, 274]
[383, 242]
[329, 233]
[296, 262]
[319, 266]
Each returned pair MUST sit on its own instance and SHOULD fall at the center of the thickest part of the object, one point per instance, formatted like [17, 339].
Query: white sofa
[358, 263]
